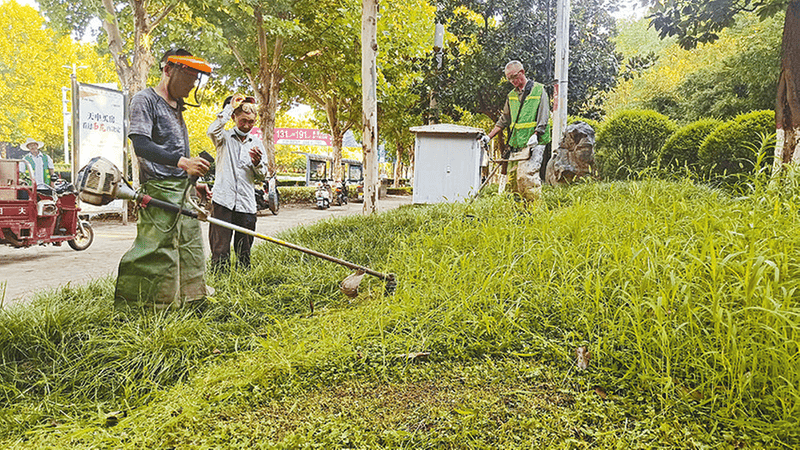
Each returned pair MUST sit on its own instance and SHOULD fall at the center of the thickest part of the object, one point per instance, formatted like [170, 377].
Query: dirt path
[28, 270]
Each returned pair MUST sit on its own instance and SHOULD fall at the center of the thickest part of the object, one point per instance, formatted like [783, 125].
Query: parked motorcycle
[360, 192]
[323, 194]
[39, 215]
[340, 193]
[270, 199]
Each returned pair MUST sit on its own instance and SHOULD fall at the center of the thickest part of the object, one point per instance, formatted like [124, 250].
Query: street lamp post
[561, 71]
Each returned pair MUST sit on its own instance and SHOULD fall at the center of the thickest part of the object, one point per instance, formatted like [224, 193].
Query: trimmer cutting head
[349, 285]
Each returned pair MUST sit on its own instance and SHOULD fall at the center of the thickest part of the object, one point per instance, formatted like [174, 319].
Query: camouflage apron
[523, 176]
[164, 267]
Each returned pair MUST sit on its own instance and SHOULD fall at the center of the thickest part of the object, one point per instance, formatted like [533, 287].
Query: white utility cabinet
[447, 163]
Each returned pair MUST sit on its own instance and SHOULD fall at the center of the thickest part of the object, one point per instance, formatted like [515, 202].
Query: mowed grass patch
[685, 296]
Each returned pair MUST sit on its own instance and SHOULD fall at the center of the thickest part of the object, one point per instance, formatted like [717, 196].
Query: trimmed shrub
[681, 148]
[295, 183]
[631, 141]
[732, 148]
[399, 190]
[298, 194]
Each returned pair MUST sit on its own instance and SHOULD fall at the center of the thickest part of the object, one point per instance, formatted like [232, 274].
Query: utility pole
[369, 88]
[65, 112]
[561, 72]
[75, 118]
[438, 46]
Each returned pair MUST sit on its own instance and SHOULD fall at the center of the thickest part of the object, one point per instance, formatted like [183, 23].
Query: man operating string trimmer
[165, 266]
[526, 112]
[100, 182]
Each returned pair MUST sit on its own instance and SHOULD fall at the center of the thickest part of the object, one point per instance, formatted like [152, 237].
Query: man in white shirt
[42, 164]
[239, 164]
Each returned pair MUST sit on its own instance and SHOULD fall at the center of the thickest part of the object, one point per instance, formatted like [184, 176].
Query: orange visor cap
[192, 62]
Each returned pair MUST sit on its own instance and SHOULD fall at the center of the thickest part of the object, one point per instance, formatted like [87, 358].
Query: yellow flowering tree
[31, 76]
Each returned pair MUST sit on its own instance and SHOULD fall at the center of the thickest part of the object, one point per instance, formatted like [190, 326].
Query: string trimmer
[100, 182]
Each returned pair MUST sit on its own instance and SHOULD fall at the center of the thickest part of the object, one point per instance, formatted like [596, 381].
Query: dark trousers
[219, 238]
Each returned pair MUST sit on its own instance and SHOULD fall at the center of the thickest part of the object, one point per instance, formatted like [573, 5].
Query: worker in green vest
[42, 164]
[526, 113]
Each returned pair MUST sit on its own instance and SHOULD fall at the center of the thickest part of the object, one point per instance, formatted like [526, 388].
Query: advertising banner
[302, 136]
[101, 131]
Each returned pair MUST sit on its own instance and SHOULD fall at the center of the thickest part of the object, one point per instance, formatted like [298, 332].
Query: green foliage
[638, 38]
[743, 81]
[738, 84]
[684, 296]
[681, 148]
[631, 141]
[298, 165]
[732, 148]
[405, 33]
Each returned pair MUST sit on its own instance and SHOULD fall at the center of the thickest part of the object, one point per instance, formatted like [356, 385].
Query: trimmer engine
[100, 182]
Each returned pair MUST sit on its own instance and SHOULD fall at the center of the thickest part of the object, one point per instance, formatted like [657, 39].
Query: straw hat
[32, 141]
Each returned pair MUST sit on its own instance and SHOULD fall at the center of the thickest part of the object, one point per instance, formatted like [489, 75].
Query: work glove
[484, 139]
[533, 141]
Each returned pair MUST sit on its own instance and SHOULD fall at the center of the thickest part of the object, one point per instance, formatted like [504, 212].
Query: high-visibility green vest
[523, 123]
[45, 168]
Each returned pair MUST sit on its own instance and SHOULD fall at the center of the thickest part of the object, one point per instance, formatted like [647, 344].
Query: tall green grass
[685, 295]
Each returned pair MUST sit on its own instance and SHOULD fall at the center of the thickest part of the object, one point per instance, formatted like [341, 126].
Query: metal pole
[75, 124]
[65, 111]
[561, 71]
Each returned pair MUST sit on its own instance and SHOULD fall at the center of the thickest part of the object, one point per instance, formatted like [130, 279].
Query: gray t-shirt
[153, 117]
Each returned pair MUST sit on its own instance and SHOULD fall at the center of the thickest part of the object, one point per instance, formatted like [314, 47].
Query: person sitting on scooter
[240, 163]
[43, 168]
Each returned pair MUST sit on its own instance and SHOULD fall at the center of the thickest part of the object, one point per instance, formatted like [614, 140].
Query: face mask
[239, 132]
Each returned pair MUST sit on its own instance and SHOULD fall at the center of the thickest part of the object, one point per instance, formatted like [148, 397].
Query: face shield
[190, 69]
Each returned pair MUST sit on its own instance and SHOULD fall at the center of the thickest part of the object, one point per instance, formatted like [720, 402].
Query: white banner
[101, 131]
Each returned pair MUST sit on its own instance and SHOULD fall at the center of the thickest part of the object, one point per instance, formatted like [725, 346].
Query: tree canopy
[694, 22]
[490, 33]
[734, 75]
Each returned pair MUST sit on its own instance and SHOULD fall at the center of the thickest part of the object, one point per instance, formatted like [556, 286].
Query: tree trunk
[369, 82]
[266, 84]
[412, 164]
[132, 76]
[268, 110]
[332, 112]
[787, 108]
[397, 165]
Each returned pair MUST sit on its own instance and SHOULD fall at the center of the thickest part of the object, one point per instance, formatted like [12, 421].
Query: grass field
[686, 297]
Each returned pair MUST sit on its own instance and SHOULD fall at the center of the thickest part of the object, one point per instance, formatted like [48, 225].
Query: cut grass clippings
[685, 296]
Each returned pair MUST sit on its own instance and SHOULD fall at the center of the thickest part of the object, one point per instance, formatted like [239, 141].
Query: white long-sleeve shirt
[234, 183]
